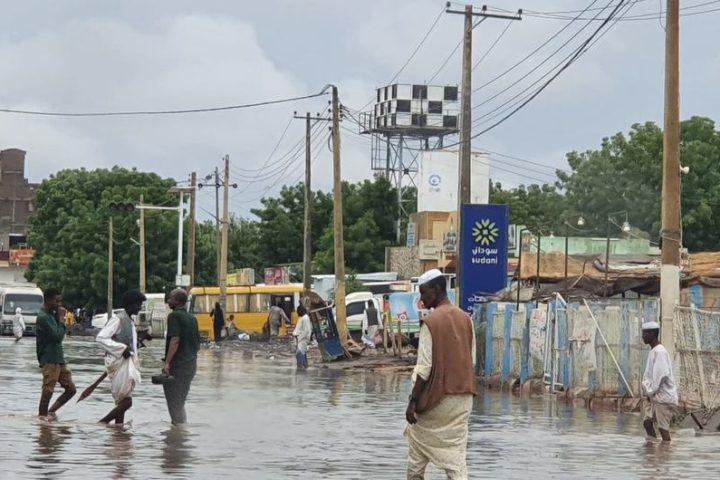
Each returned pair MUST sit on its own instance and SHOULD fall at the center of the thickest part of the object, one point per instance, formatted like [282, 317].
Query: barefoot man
[659, 385]
[49, 335]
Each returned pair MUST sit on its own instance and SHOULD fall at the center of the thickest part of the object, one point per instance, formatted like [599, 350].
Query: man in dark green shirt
[49, 334]
[181, 346]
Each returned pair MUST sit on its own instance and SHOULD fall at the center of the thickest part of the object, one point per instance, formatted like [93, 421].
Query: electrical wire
[534, 52]
[452, 53]
[536, 67]
[277, 145]
[639, 17]
[497, 40]
[160, 112]
[582, 49]
[414, 52]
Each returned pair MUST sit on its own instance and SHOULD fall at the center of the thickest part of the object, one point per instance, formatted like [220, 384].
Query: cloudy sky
[86, 55]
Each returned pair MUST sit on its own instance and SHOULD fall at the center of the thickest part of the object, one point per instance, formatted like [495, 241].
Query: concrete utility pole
[341, 319]
[670, 233]
[178, 272]
[110, 268]
[465, 165]
[190, 265]
[141, 224]
[224, 235]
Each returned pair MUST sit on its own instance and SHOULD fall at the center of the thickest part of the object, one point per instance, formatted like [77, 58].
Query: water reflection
[256, 417]
[176, 451]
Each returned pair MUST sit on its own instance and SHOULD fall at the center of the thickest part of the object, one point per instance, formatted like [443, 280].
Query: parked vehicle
[26, 296]
[355, 304]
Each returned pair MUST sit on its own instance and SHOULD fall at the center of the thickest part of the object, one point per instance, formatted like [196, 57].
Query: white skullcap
[429, 276]
[650, 326]
[18, 311]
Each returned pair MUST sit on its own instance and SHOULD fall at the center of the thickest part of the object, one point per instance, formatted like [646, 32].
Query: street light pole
[625, 228]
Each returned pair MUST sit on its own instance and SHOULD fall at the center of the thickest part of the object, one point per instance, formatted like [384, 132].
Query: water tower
[406, 120]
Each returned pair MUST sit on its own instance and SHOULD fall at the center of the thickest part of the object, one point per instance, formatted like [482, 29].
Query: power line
[528, 56]
[583, 48]
[547, 59]
[452, 53]
[497, 40]
[160, 112]
[414, 52]
[638, 17]
[277, 145]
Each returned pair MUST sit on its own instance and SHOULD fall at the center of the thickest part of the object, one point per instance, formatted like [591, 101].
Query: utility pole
[110, 268]
[341, 319]
[181, 211]
[465, 165]
[307, 234]
[142, 246]
[190, 265]
[224, 236]
[670, 233]
[217, 224]
[307, 238]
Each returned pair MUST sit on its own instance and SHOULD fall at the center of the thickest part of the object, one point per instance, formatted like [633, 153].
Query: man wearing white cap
[658, 384]
[444, 385]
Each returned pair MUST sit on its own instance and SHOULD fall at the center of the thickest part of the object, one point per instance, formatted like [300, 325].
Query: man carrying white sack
[444, 385]
[658, 384]
[119, 340]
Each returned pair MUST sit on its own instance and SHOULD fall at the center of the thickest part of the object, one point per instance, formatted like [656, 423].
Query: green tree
[626, 174]
[534, 206]
[69, 231]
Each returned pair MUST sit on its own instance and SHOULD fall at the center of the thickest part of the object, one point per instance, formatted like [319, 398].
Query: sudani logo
[434, 181]
[485, 232]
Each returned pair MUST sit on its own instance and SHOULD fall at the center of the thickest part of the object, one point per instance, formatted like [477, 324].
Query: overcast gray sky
[87, 55]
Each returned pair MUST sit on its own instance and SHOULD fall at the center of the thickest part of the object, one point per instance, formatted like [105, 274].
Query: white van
[355, 304]
[28, 297]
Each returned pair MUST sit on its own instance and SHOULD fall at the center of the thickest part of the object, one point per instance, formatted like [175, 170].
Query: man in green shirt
[181, 346]
[49, 334]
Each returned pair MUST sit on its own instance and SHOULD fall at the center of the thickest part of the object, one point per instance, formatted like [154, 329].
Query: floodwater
[254, 417]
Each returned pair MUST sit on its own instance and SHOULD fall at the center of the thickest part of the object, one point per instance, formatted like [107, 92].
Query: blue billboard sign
[483, 252]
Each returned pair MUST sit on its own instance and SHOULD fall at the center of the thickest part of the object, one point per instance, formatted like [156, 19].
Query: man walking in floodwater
[181, 346]
[302, 333]
[444, 385]
[49, 335]
[119, 340]
[658, 384]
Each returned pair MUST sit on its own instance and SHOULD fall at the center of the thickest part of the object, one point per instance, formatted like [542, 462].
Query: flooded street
[253, 417]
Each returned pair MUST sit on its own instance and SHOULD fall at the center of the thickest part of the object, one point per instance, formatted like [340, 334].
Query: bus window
[28, 302]
[237, 303]
[259, 302]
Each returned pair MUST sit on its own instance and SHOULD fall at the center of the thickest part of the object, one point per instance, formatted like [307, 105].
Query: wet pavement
[254, 417]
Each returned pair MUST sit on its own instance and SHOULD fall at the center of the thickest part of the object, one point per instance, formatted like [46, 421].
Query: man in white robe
[18, 324]
[118, 338]
[302, 333]
[437, 433]
[661, 397]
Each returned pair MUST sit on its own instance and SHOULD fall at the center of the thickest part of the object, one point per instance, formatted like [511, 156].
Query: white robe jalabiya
[440, 434]
[18, 324]
[124, 373]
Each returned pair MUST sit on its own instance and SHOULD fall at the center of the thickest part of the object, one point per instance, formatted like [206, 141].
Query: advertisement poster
[405, 308]
[483, 252]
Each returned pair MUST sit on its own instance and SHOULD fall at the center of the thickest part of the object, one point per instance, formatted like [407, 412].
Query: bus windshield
[29, 302]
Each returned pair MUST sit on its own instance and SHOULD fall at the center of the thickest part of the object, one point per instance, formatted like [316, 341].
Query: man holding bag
[119, 340]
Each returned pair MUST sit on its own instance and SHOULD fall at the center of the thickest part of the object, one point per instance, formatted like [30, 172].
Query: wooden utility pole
[341, 319]
[224, 235]
[142, 246]
[307, 238]
[190, 265]
[217, 224]
[465, 157]
[110, 268]
[670, 233]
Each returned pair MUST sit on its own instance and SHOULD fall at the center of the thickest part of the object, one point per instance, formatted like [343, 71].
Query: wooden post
[142, 246]
[110, 268]
[307, 238]
[341, 319]
[190, 262]
[224, 236]
[670, 233]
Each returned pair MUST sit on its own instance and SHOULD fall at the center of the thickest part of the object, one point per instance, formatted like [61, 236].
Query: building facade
[17, 196]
